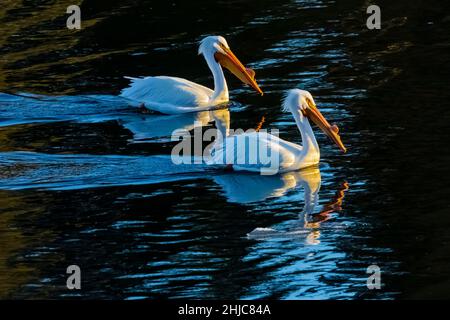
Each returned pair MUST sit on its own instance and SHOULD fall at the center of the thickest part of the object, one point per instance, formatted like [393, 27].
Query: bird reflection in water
[313, 221]
[159, 128]
[250, 188]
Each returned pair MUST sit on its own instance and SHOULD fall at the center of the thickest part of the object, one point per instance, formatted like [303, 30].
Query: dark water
[86, 180]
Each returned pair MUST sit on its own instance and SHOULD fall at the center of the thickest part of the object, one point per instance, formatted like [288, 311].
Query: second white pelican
[171, 95]
[236, 151]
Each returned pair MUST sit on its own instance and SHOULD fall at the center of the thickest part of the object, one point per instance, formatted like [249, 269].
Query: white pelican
[173, 95]
[236, 151]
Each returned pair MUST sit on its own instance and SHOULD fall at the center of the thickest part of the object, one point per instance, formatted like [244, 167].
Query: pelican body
[171, 95]
[236, 151]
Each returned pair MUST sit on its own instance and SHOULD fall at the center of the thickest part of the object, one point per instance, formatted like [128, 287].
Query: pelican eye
[222, 46]
[310, 103]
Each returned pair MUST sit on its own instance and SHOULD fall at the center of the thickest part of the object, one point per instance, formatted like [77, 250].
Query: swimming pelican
[245, 152]
[173, 95]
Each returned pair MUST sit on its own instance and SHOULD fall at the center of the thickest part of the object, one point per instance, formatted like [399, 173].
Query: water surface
[87, 180]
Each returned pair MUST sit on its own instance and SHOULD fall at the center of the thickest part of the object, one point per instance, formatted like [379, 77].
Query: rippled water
[87, 180]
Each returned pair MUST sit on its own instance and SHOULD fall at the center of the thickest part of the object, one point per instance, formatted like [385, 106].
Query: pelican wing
[167, 94]
[254, 151]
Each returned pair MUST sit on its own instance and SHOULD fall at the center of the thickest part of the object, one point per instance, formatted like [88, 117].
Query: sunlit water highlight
[86, 179]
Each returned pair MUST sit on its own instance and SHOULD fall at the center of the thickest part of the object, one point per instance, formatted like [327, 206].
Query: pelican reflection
[249, 187]
[159, 128]
[252, 188]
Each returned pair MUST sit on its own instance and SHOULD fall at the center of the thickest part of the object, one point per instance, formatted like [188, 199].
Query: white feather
[167, 94]
[239, 149]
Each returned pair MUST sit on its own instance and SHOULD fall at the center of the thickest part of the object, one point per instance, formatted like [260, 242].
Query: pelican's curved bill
[332, 131]
[232, 63]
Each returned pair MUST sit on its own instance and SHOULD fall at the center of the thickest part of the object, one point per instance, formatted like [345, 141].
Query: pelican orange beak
[332, 131]
[232, 63]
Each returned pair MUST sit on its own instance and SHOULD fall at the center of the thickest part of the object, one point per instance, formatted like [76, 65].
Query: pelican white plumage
[171, 95]
[279, 155]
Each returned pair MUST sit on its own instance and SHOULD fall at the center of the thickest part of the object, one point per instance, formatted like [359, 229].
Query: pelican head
[217, 47]
[297, 100]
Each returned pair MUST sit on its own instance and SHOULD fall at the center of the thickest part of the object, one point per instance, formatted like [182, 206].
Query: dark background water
[88, 182]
